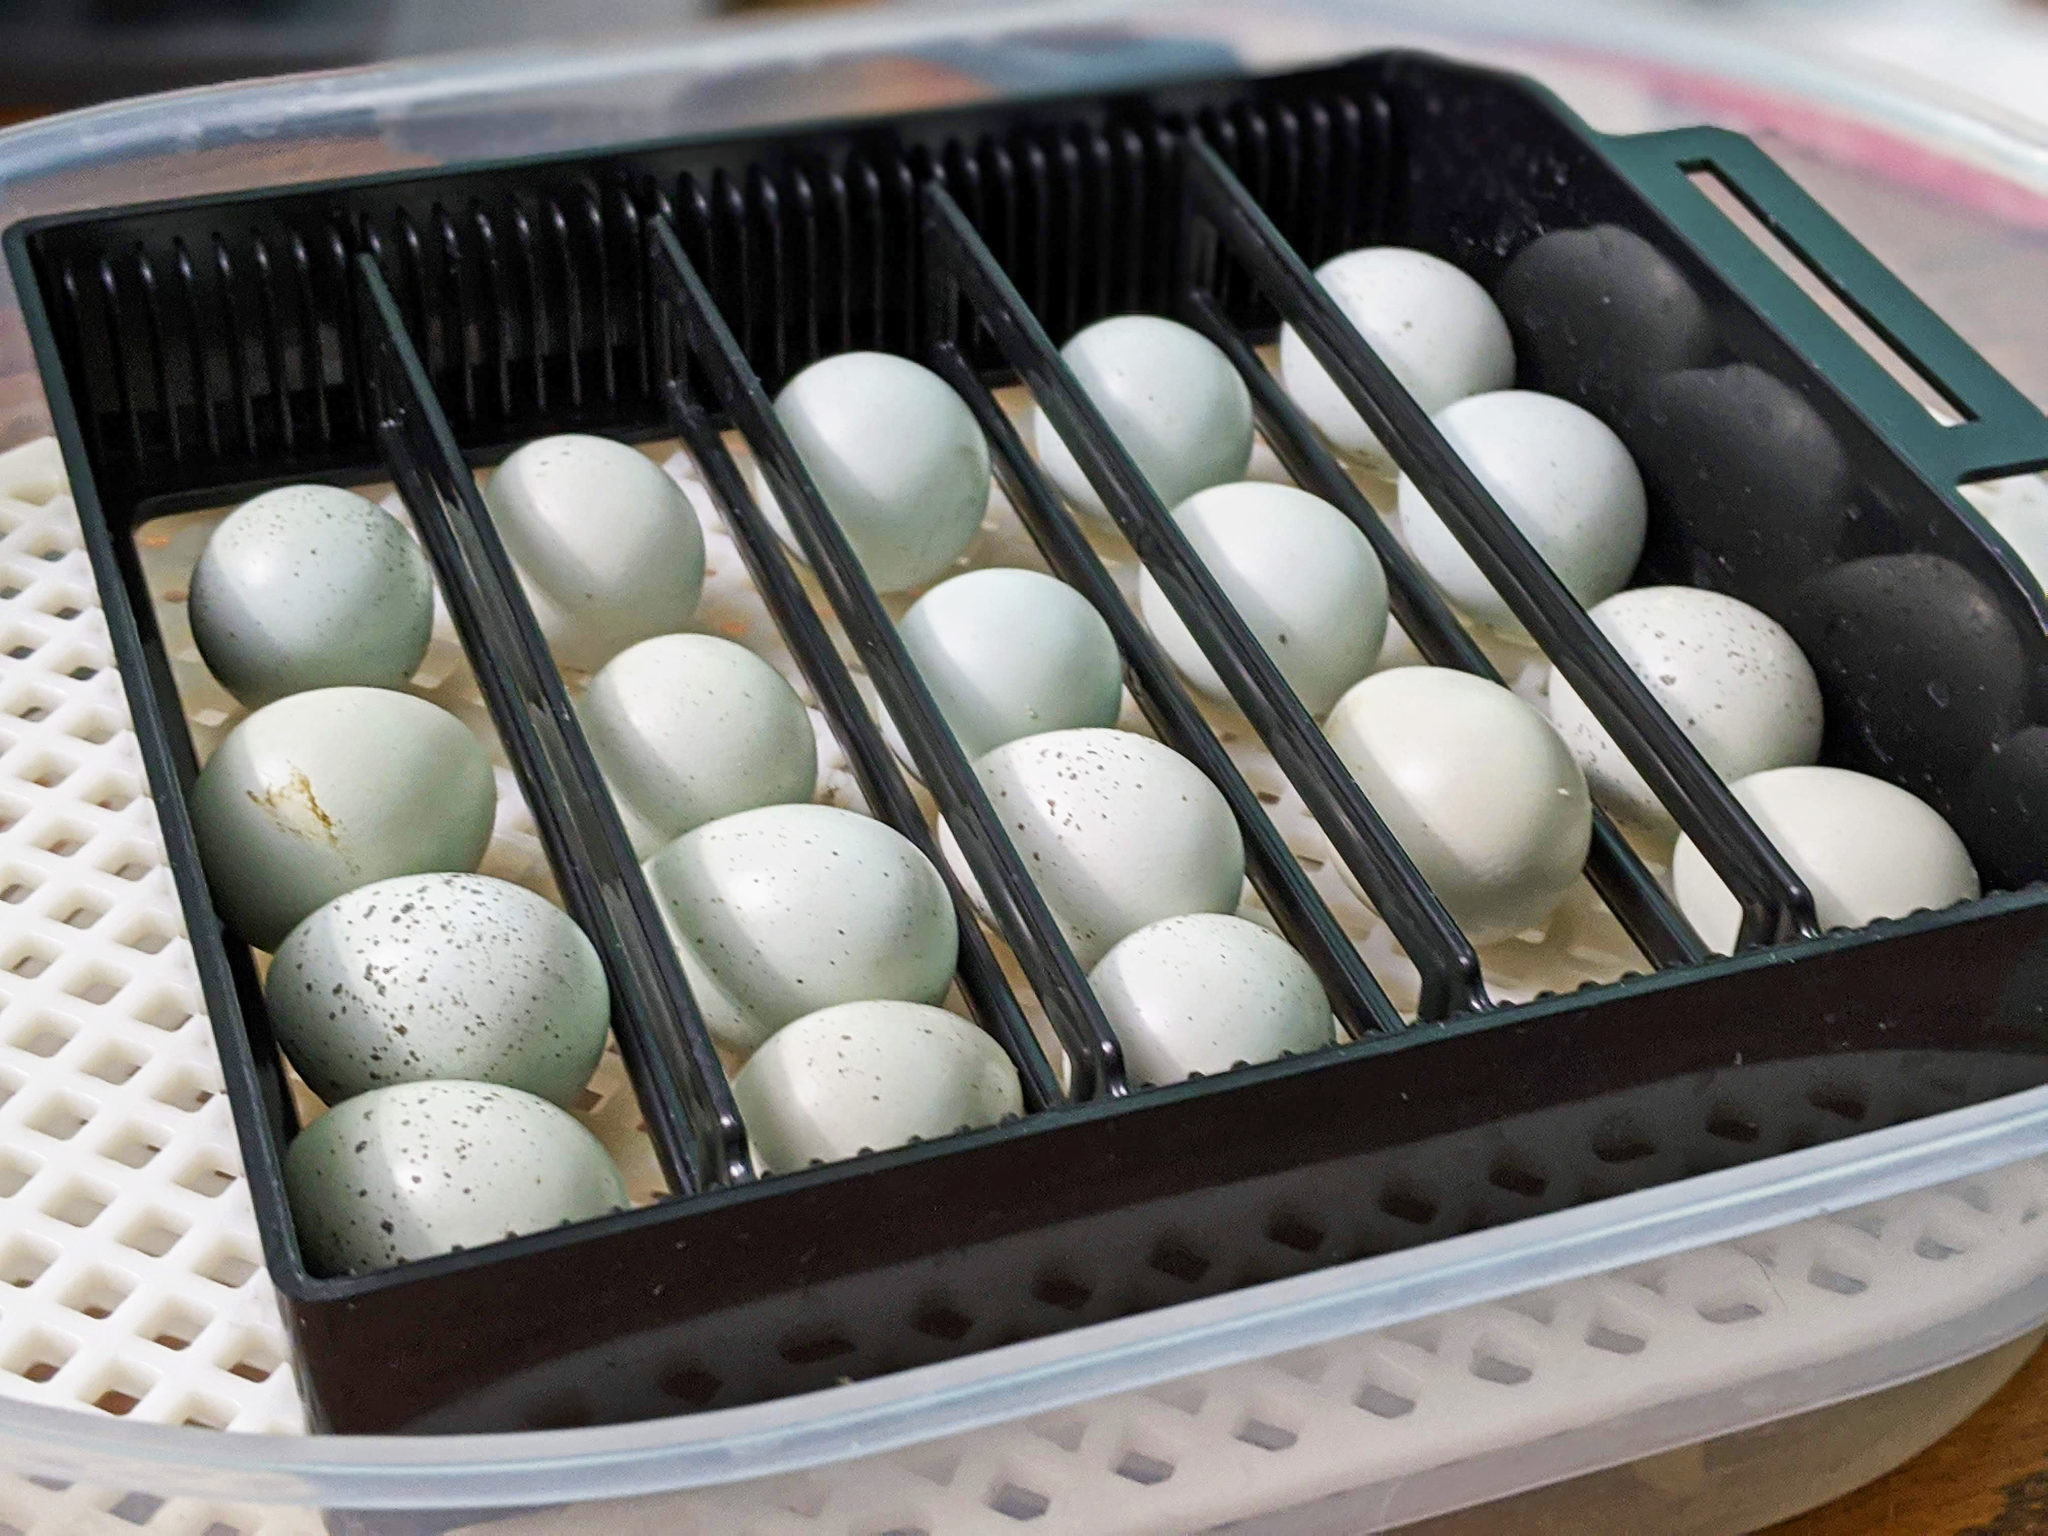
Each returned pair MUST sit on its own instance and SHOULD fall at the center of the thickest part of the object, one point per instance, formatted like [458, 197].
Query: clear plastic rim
[616, 1461]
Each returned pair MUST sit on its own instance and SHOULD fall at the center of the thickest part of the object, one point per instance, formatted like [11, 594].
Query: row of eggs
[818, 940]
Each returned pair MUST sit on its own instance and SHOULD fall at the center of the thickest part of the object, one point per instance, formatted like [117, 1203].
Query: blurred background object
[66, 53]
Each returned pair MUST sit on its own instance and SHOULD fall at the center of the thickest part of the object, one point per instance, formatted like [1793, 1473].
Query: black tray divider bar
[1646, 912]
[1095, 1060]
[1449, 967]
[682, 1090]
[994, 1006]
[1776, 905]
[1355, 997]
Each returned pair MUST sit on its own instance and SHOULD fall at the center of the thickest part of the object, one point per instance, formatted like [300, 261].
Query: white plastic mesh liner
[127, 1240]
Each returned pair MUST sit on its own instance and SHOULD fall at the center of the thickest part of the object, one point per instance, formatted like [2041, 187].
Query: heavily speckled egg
[863, 1077]
[1431, 324]
[1170, 396]
[1299, 572]
[1207, 992]
[1865, 848]
[420, 1169]
[784, 910]
[310, 586]
[896, 455]
[327, 790]
[1475, 786]
[1730, 676]
[1562, 477]
[1117, 830]
[439, 976]
[1009, 653]
[688, 728]
[607, 546]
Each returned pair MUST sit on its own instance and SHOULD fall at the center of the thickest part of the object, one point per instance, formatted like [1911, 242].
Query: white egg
[1207, 992]
[898, 458]
[1117, 830]
[439, 976]
[1475, 786]
[1865, 848]
[784, 910]
[310, 586]
[688, 728]
[863, 1077]
[1430, 323]
[1009, 653]
[327, 790]
[420, 1169]
[1562, 477]
[1731, 677]
[1170, 396]
[1301, 574]
[607, 545]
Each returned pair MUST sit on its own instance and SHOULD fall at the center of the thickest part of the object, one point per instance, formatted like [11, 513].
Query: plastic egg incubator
[1213, 665]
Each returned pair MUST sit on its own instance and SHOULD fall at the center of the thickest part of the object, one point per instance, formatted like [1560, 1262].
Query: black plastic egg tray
[409, 327]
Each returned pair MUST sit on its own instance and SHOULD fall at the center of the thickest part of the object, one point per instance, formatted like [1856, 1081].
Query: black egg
[1919, 668]
[1599, 313]
[2002, 813]
[1749, 487]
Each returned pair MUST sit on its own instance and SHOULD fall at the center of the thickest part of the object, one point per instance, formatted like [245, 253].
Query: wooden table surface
[1987, 1478]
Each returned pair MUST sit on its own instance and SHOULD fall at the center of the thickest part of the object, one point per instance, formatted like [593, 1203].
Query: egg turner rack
[413, 324]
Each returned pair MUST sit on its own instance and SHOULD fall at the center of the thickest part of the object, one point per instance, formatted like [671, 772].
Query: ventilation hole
[40, 1356]
[23, 1261]
[96, 729]
[113, 1065]
[1425, 1336]
[85, 674]
[63, 845]
[937, 1467]
[1614, 1340]
[1488, 1366]
[176, 1326]
[1409, 1205]
[1178, 1260]
[204, 1413]
[905, 1530]
[1309, 1365]
[1056, 1290]
[16, 893]
[167, 1014]
[1181, 1396]
[154, 1235]
[51, 773]
[116, 1401]
[1976, 1197]
[228, 1267]
[137, 1508]
[15, 1171]
[62, 1118]
[115, 797]
[22, 652]
[1729, 1311]
[134, 1147]
[587, 1100]
[205, 1178]
[1293, 1232]
[67, 613]
[1842, 1103]
[1619, 1142]
[132, 870]
[1517, 1180]
[1018, 1503]
[1932, 1247]
[1382, 1402]
[815, 1351]
[1869, 1223]
[46, 1037]
[82, 916]
[79, 1206]
[183, 1091]
[1267, 797]
[29, 964]
[1828, 1278]
[149, 940]
[1064, 1433]
[96, 986]
[1540, 1309]
[1266, 1436]
[1144, 1470]
[940, 1321]
[255, 1360]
